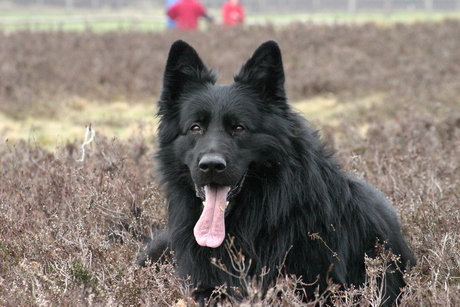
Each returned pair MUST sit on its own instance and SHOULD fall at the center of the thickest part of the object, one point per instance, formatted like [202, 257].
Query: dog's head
[218, 131]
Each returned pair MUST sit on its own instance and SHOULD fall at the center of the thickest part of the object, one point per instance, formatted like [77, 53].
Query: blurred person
[186, 14]
[170, 23]
[232, 13]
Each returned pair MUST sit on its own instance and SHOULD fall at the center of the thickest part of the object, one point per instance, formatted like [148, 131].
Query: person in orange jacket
[232, 13]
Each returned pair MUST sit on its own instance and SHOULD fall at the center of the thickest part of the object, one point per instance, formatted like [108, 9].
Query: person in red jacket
[186, 14]
[232, 13]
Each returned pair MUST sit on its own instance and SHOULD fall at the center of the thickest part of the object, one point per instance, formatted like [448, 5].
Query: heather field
[386, 97]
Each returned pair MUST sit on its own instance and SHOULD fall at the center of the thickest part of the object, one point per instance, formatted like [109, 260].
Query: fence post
[69, 6]
[428, 5]
[351, 6]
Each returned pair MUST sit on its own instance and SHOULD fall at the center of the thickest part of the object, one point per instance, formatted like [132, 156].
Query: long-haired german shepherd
[237, 163]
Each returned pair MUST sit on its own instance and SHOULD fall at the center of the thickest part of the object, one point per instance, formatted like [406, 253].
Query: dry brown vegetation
[70, 231]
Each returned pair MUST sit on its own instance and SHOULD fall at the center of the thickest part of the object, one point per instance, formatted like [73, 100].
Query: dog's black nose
[212, 163]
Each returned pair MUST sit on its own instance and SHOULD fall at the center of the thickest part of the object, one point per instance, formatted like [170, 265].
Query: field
[387, 97]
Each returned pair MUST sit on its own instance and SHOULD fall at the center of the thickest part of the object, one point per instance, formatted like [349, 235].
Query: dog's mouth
[233, 190]
[210, 229]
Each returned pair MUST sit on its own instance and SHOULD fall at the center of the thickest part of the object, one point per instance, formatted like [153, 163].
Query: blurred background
[150, 14]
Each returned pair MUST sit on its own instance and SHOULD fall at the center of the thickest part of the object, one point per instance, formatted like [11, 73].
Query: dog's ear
[264, 72]
[184, 67]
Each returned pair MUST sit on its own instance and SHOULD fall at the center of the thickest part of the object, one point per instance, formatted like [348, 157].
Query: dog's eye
[238, 129]
[195, 128]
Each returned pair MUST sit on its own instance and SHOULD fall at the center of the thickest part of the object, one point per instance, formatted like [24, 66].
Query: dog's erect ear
[184, 67]
[264, 71]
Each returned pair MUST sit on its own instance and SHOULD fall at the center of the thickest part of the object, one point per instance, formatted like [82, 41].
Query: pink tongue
[210, 228]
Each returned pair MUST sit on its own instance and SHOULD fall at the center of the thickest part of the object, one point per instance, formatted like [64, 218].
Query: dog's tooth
[222, 209]
[204, 204]
[226, 204]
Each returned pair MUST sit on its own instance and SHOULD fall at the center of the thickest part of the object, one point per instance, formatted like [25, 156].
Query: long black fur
[292, 189]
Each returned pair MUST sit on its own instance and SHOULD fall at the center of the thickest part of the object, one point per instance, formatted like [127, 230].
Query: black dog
[238, 163]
